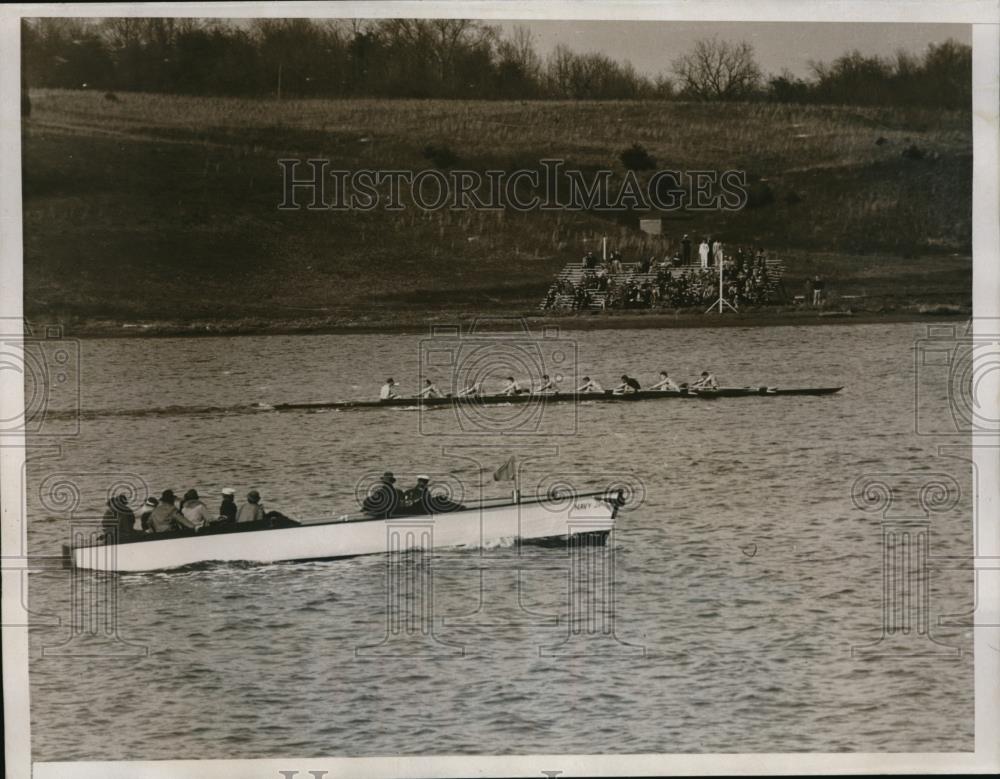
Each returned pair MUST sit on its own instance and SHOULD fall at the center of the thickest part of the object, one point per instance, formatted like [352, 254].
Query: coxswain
[512, 388]
[628, 385]
[388, 390]
[429, 390]
[665, 383]
[707, 381]
[548, 386]
[589, 385]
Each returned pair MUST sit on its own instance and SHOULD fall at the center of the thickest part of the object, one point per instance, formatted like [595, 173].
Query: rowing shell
[555, 397]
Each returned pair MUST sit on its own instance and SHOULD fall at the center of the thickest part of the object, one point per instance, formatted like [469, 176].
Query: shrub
[635, 157]
[759, 194]
[442, 156]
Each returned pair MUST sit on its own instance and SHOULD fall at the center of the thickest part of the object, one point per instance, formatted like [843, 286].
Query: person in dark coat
[166, 518]
[228, 508]
[119, 521]
[628, 385]
[383, 499]
[417, 499]
[686, 249]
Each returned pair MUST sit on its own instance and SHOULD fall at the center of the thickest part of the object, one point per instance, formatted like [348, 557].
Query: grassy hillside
[165, 207]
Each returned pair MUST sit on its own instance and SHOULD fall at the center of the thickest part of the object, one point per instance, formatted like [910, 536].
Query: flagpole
[722, 298]
[517, 481]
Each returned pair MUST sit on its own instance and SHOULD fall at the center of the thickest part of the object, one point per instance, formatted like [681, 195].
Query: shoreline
[498, 321]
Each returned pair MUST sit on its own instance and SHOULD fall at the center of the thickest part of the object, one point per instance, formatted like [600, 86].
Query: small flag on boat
[507, 471]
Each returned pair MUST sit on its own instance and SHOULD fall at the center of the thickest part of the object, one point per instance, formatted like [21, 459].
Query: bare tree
[559, 70]
[718, 70]
[452, 36]
[518, 51]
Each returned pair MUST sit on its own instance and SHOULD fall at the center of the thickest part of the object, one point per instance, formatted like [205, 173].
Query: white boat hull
[480, 526]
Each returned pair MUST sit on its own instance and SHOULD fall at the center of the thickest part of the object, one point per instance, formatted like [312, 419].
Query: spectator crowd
[675, 281]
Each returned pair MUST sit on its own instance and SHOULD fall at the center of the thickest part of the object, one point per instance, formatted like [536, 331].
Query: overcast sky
[651, 46]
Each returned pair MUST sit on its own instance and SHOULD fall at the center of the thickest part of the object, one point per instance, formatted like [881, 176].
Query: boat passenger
[417, 499]
[548, 386]
[429, 390]
[706, 381]
[628, 385]
[165, 517]
[119, 521]
[195, 510]
[388, 390]
[512, 388]
[665, 383]
[228, 508]
[144, 511]
[589, 385]
[383, 499]
[251, 511]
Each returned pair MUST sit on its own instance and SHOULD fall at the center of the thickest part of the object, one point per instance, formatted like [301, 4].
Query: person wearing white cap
[228, 509]
[417, 499]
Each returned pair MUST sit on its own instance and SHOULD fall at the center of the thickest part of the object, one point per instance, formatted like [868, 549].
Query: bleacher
[575, 272]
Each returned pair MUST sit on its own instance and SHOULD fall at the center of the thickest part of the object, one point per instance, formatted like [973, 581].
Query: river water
[747, 582]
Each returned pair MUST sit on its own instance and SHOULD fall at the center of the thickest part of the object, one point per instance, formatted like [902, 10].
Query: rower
[471, 390]
[589, 385]
[512, 388]
[548, 386]
[665, 383]
[429, 390]
[388, 390]
[628, 385]
[707, 381]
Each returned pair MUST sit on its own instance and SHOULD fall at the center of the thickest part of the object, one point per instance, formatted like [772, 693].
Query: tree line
[447, 58]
